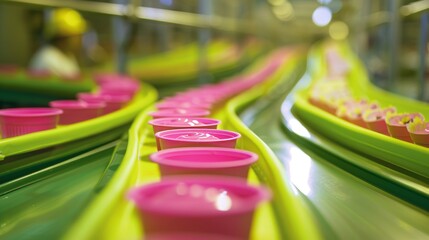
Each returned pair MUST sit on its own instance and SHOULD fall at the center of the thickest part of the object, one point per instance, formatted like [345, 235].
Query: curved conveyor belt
[351, 197]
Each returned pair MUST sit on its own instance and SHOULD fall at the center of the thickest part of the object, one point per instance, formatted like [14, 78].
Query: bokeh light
[322, 16]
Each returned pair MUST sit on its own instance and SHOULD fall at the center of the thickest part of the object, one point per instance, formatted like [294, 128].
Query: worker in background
[63, 31]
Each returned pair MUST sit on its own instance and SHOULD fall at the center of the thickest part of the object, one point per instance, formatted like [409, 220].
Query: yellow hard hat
[65, 22]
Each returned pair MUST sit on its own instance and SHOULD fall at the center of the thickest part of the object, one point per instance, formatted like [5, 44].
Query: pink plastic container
[420, 134]
[113, 102]
[375, 120]
[77, 111]
[209, 205]
[200, 98]
[196, 138]
[204, 161]
[354, 112]
[397, 125]
[179, 112]
[20, 121]
[162, 124]
[182, 104]
[129, 88]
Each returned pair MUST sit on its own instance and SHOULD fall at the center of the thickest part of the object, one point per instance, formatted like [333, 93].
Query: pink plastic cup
[397, 125]
[204, 161]
[355, 110]
[201, 98]
[77, 111]
[179, 112]
[162, 124]
[179, 138]
[113, 102]
[20, 121]
[199, 204]
[120, 88]
[375, 120]
[420, 134]
[182, 104]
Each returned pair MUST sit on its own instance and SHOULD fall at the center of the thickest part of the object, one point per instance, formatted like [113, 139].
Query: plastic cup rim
[154, 122]
[249, 158]
[83, 104]
[19, 112]
[161, 134]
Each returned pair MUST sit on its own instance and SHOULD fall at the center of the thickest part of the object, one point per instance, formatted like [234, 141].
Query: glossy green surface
[23, 164]
[347, 204]
[49, 200]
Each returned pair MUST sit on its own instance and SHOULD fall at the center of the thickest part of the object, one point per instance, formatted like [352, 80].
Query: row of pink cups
[203, 192]
[409, 127]
[114, 93]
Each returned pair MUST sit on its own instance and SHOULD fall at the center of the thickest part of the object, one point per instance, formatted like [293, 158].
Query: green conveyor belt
[343, 198]
[343, 203]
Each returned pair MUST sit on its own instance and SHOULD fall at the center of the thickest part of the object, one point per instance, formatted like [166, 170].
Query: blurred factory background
[390, 35]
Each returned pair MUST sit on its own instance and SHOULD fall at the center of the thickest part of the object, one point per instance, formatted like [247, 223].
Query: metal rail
[132, 11]
[414, 8]
[383, 17]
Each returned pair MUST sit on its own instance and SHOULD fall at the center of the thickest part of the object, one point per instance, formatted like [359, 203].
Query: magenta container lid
[198, 135]
[190, 112]
[30, 112]
[188, 122]
[76, 104]
[204, 157]
[199, 196]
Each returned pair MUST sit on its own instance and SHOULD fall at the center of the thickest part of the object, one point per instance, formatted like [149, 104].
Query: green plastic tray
[405, 155]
